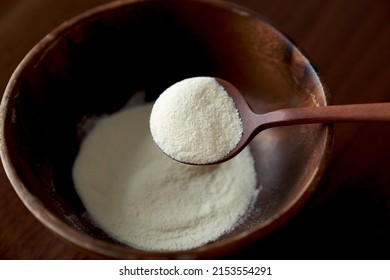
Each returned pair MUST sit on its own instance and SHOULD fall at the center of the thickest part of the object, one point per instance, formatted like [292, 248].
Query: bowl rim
[117, 251]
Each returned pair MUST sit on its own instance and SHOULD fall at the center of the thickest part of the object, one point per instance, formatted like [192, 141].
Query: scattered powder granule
[143, 198]
[196, 121]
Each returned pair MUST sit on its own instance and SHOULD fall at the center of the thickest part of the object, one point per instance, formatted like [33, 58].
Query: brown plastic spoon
[254, 123]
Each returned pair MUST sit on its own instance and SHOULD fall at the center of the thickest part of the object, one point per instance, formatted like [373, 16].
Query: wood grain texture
[349, 214]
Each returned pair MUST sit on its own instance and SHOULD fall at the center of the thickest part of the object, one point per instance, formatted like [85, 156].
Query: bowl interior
[93, 64]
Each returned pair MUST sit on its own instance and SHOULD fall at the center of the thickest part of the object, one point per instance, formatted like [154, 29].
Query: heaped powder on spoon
[143, 198]
[196, 121]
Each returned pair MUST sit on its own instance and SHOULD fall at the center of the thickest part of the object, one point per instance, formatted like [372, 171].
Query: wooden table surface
[348, 216]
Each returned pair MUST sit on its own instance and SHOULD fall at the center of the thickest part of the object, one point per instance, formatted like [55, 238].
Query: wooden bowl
[92, 64]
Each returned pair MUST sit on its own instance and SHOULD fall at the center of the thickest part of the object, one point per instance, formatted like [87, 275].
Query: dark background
[348, 216]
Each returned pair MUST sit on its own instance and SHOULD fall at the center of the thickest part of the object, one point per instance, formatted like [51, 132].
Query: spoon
[254, 123]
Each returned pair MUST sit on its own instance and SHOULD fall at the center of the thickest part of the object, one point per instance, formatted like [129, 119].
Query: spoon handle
[374, 112]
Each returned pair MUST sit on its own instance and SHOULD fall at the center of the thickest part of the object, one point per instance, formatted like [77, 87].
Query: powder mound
[145, 199]
[196, 121]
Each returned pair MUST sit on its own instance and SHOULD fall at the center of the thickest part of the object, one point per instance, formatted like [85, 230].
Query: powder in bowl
[145, 199]
[196, 121]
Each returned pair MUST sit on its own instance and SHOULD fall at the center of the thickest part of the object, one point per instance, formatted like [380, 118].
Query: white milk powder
[196, 121]
[143, 198]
